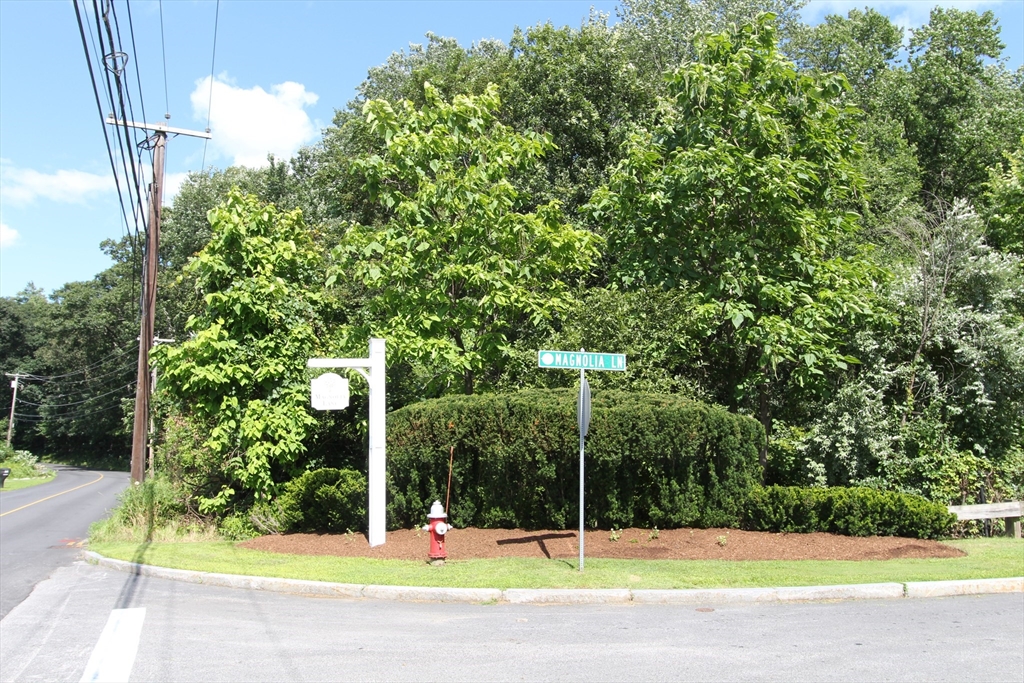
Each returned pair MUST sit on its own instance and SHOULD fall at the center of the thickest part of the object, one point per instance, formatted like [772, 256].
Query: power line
[64, 388]
[213, 61]
[138, 77]
[136, 263]
[163, 50]
[37, 419]
[50, 378]
[104, 61]
[99, 108]
[115, 66]
[78, 403]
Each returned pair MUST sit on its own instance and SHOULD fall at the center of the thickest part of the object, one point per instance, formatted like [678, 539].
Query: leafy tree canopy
[966, 110]
[457, 262]
[243, 371]
[736, 192]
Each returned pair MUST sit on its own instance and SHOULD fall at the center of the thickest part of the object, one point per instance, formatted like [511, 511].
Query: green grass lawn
[13, 484]
[986, 558]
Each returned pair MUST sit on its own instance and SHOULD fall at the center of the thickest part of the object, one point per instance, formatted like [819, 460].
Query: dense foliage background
[821, 228]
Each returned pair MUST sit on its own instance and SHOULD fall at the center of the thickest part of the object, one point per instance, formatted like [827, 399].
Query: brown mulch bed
[639, 544]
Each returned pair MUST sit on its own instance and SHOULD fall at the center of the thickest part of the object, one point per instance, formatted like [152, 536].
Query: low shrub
[22, 464]
[321, 500]
[652, 460]
[237, 527]
[854, 511]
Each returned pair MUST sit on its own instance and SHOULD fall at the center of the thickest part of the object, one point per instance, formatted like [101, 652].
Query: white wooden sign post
[329, 393]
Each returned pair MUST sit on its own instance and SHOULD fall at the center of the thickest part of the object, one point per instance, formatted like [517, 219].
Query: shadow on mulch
[638, 544]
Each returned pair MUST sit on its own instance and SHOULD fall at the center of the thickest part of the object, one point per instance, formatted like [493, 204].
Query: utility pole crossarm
[159, 128]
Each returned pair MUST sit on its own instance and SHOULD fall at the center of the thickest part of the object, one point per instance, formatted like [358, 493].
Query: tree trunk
[765, 417]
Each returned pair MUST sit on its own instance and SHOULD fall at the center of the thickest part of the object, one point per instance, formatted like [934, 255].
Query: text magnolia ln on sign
[329, 392]
[581, 360]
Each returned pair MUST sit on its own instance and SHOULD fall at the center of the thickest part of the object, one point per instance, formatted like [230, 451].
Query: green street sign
[581, 360]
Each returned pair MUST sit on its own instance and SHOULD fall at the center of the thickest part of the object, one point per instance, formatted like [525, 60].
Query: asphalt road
[92, 623]
[42, 527]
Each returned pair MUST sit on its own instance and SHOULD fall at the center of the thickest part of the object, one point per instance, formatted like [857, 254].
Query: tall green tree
[457, 263]
[666, 33]
[241, 376]
[1003, 204]
[862, 45]
[967, 110]
[580, 87]
[937, 406]
[326, 171]
[735, 194]
[80, 344]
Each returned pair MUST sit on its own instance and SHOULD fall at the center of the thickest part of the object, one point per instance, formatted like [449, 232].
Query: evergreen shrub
[651, 460]
[324, 500]
[854, 511]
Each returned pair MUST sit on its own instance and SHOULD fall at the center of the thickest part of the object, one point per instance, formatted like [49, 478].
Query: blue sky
[282, 68]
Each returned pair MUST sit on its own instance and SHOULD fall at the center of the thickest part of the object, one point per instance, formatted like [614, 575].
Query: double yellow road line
[28, 505]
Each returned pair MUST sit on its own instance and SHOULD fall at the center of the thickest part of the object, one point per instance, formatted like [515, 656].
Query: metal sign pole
[571, 360]
[583, 381]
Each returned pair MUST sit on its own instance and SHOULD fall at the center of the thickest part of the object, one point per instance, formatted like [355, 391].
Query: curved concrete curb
[863, 591]
[572, 596]
[935, 589]
[568, 596]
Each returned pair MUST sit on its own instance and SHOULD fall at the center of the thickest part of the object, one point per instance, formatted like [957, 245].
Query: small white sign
[329, 392]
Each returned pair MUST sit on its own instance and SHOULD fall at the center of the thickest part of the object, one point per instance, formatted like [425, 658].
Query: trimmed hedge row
[848, 511]
[651, 460]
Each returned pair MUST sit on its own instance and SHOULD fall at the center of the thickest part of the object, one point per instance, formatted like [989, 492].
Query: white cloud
[248, 124]
[25, 185]
[8, 235]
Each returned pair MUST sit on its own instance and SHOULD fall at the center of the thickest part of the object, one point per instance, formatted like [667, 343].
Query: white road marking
[114, 655]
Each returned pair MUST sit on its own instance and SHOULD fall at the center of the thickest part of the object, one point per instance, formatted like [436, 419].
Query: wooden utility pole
[142, 386]
[14, 401]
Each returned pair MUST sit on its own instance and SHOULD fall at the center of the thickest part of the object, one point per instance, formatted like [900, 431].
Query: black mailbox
[4, 473]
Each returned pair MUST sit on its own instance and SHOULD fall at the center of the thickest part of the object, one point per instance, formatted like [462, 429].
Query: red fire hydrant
[438, 527]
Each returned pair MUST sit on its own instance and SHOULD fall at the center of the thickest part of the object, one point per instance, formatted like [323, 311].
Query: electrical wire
[127, 137]
[163, 50]
[37, 419]
[97, 378]
[138, 77]
[50, 378]
[103, 65]
[99, 108]
[137, 262]
[127, 154]
[77, 403]
[127, 90]
[213, 62]
[132, 239]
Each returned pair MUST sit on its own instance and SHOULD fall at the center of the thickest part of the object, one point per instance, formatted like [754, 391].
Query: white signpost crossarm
[360, 365]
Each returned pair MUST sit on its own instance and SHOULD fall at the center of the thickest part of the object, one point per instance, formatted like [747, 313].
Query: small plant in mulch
[615, 535]
[722, 540]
